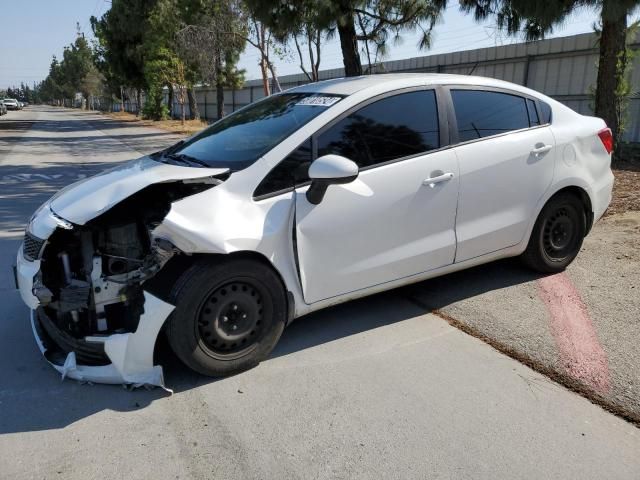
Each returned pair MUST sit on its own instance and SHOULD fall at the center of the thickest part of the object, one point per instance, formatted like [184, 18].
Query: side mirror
[329, 170]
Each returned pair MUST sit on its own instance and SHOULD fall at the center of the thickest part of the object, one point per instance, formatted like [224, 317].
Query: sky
[41, 28]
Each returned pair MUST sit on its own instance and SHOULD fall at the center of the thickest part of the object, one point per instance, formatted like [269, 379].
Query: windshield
[237, 141]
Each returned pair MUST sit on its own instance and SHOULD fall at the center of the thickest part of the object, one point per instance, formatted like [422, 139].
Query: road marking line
[581, 354]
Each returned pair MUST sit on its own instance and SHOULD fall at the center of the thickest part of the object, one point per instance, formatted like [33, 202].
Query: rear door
[390, 222]
[506, 160]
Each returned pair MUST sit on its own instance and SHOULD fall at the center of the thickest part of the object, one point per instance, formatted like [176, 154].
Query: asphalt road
[375, 388]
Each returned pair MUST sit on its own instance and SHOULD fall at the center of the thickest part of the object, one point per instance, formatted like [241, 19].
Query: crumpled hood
[84, 200]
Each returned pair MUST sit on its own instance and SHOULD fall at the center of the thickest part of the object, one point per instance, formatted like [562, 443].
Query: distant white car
[321, 194]
[11, 104]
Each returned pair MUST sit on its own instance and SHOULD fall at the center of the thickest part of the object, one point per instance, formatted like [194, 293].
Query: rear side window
[482, 114]
[533, 113]
[545, 112]
[388, 129]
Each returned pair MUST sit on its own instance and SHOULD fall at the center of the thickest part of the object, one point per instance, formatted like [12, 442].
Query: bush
[150, 111]
[153, 108]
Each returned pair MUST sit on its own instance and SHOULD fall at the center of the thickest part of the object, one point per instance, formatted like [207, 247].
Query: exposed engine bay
[91, 279]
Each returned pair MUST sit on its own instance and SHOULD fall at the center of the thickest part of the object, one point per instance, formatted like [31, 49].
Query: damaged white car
[308, 198]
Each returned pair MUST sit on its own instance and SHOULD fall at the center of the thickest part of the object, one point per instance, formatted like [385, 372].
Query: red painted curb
[581, 353]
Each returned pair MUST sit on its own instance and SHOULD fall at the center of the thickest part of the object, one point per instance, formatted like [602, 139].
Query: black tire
[229, 315]
[557, 235]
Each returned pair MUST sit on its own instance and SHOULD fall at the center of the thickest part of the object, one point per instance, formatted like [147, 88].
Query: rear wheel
[228, 317]
[557, 235]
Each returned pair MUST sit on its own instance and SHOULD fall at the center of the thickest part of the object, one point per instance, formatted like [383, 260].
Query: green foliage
[623, 90]
[368, 21]
[153, 108]
[75, 73]
[164, 69]
[121, 33]
[210, 41]
[76, 64]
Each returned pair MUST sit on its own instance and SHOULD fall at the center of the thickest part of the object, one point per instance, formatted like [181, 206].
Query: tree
[52, 85]
[121, 34]
[212, 43]
[536, 19]
[378, 20]
[311, 36]
[92, 85]
[162, 64]
[260, 36]
[300, 29]
[77, 63]
[165, 69]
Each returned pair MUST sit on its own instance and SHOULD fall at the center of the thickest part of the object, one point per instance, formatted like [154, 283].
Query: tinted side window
[289, 172]
[533, 113]
[391, 128]
[482, 114]
[545, 112]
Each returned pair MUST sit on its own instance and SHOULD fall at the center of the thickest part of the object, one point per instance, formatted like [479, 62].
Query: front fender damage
[92, 314]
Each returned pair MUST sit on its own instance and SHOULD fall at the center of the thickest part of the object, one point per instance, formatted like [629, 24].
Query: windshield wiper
[188, 159]
[160, 153]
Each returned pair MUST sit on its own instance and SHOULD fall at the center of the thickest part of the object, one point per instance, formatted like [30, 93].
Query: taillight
[606, 138]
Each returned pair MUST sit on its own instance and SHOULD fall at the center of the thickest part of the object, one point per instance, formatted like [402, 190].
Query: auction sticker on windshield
[319, 101]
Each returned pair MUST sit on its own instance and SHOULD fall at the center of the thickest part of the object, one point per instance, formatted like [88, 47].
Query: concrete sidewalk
[581, 326]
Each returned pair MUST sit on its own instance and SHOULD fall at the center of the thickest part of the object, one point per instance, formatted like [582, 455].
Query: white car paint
[131, 354]
[333, 166]
[399, 223]
[498, 195]
[403, 230]
[113, 185]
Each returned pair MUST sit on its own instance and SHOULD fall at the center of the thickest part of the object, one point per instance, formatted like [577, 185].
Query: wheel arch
[162, 283]
[584, 198]
[576, 187]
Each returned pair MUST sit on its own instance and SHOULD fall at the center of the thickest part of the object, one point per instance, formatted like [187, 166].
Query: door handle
[445, 177]
[543, 149]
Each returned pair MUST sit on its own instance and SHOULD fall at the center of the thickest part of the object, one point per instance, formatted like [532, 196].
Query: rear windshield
[237, 141]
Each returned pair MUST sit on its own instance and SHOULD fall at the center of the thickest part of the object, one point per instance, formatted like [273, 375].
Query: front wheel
[557, 235]
[229, 315]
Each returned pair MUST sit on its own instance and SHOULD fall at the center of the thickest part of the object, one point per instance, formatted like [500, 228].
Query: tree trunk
[219, 89]
[219, 99]
[610, 73]
[274, 75]
[265, 77]
[194, 113]
[171, 94]
[138, 101]
[349, 46]
[182, 114]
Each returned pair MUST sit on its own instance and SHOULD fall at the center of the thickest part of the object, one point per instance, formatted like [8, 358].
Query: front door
[392, 221]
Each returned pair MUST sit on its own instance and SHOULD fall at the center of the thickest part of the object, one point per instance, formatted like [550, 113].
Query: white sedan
[321, 194]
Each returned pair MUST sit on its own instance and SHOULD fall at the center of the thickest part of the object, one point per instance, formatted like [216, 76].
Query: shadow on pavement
[442, 291]
[23, 188]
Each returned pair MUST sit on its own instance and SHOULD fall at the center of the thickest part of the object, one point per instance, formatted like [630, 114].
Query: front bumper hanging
[130, 354]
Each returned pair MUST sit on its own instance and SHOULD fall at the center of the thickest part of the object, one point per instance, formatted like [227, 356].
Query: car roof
[351, 85]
